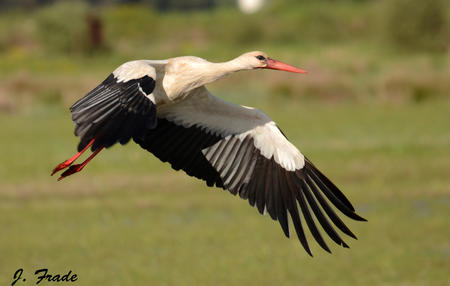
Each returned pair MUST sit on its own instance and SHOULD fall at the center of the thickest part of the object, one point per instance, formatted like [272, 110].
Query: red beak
[277, 65]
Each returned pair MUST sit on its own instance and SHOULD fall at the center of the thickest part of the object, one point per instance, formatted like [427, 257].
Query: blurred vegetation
[372, 113]
[355, 50]
[418, 24]
[128, 219]
[409, 23]
[62, 28]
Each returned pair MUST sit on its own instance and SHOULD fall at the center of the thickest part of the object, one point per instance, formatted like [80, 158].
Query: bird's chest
[162, 95]
[171, 89]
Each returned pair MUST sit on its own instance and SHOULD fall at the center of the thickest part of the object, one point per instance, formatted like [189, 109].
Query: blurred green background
[373, 113]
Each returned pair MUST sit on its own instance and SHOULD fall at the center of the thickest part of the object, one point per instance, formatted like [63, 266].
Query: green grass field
[373, 114]
[130, 220]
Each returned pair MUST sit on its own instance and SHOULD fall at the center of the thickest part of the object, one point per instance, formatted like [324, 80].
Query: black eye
[260, 58]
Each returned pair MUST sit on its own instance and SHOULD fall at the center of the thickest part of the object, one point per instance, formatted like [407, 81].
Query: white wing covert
[120, 108]
[242, 150]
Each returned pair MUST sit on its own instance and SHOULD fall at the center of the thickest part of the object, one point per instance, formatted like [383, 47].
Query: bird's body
[165, 107]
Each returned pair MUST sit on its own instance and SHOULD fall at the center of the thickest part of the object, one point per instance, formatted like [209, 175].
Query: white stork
[165, 107]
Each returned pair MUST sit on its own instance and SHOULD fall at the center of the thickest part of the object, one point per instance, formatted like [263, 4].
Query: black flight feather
[234, 163]
[115, 112]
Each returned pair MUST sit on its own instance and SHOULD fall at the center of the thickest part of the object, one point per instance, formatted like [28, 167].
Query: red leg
[69, 162]
[78, 167]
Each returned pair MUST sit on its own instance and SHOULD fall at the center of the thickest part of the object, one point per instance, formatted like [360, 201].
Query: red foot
[69, 162]
[72, 170]
[78, 167]
[64, 165]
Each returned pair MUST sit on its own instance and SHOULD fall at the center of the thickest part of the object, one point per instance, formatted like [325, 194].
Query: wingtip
[306, 247]
[362, 219]
[324, 246]
[355, 216]
[285, 228]
[351, 234]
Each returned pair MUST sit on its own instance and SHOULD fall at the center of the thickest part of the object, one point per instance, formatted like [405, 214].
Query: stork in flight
[164, 106]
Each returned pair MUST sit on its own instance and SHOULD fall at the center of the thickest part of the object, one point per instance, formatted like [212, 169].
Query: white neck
[188, 73]
[216, 71]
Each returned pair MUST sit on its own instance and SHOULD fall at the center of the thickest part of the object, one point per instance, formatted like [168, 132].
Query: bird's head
[191, 72]
[260, 60]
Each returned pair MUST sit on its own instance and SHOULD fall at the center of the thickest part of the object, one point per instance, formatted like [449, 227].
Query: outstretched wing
[242, 150]
[120, 108]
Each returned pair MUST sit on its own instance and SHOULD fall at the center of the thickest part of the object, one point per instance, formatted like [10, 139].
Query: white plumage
[224, 118]
[165, 107]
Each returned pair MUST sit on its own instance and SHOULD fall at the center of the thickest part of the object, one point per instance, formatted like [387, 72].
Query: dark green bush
[62, 27]
[417, 24]
[131, 22]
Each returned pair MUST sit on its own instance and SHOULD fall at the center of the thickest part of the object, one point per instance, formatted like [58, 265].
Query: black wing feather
[155, 141]
[235, 164]
[320, 216]
[259, 175]
[114, 112]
